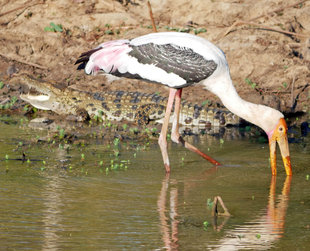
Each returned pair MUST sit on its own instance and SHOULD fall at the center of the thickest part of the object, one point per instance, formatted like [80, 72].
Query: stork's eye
[281, 129]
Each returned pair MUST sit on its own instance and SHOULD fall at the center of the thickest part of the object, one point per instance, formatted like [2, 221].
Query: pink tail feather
[106, 57]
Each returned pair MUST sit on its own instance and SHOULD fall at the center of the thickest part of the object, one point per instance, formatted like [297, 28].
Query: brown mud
[267, 44]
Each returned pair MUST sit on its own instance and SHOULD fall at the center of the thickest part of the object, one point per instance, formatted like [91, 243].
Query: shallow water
[126, 202]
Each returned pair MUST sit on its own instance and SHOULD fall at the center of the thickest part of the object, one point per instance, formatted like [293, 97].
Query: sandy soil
[268, 65]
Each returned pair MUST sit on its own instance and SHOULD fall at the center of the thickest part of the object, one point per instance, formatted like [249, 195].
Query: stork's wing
[182, 61]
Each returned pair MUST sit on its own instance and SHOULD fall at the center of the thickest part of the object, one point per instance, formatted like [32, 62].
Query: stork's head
[279, 135]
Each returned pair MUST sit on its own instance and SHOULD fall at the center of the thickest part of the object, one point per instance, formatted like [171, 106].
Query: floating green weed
[258, 236]
[1, 84]
[221, 142]
[61, 133]
[6, 156]
[284, 84]
[205, 225]
[116, 153]
[209, 203]
[307, 177]
[116, 141]
[82, 156]
[54, 27]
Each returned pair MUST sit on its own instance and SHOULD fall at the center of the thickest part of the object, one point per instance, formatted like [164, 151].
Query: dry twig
[261, 26]
[278, 10]
[249, 22]
[25, 6]
[214, 207]
[151, 16]
[24, 62]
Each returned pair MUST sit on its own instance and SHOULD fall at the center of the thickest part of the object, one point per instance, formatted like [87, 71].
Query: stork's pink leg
[175, 135]
[162, 141]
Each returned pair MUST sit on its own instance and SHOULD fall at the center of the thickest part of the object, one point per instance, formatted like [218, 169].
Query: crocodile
[138, 107]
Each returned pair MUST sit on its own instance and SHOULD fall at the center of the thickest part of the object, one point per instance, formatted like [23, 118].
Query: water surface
[60, 200]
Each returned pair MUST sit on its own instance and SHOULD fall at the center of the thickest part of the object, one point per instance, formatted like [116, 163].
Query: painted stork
[178, 60]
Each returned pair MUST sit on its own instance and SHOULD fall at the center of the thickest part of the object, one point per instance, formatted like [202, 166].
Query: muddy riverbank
[268, 53]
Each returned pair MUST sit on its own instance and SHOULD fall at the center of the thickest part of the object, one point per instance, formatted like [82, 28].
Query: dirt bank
[268, 64]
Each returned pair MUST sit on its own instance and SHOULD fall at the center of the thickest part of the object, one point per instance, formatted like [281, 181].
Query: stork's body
[179, 60]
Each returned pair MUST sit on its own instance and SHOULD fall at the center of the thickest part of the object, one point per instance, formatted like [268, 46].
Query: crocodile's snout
[38, 101]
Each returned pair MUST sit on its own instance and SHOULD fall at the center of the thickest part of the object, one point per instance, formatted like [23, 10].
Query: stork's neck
[263, 116]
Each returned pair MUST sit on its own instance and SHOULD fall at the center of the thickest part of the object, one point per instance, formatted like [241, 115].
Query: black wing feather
[84, 57]
[182, 61]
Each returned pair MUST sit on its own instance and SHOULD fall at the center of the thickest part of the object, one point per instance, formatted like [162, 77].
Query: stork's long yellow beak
[280, 135]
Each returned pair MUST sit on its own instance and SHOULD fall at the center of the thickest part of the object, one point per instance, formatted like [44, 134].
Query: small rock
[40, 123]
[41, 120]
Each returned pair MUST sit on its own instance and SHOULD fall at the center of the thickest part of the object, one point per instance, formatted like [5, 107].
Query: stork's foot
[196, 150]
[178, 139]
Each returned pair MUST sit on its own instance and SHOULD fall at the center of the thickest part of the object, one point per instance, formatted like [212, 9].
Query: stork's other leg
[162, 141]
[175, 135]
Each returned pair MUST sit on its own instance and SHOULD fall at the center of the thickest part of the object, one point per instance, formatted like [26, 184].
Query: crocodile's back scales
[121, 105]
